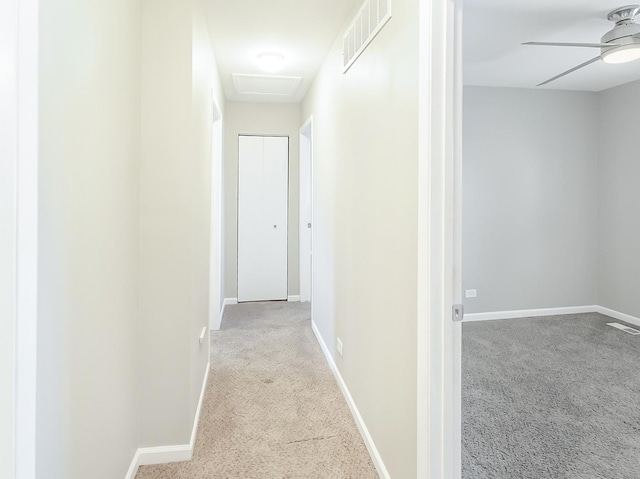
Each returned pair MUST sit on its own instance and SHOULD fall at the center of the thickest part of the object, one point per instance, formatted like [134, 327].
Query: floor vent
[372, 16]
[624, 328]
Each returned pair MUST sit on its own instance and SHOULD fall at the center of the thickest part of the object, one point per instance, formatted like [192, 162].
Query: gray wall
[259, 119]
[365, 228]
[530, 200]
[89, 178]
[619, 206]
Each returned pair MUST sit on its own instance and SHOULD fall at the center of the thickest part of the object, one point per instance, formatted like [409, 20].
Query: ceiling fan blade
[554, 44]
[593, 60]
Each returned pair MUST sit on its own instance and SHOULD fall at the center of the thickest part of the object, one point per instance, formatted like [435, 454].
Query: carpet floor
[272, 408]
[555, 398]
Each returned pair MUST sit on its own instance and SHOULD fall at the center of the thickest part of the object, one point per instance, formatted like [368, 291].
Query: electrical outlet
[470, 293]
[339, 346]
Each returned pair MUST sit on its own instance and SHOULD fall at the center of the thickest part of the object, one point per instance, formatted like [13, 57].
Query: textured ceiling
[494, 29]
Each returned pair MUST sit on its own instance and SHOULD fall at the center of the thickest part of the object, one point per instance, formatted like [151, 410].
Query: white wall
[530, 198]
[8, 228]
[178, 74]
[365, 173]
[88, 335]
[259, 119]
[619, 221]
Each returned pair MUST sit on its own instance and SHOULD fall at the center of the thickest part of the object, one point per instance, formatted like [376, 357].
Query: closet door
[263, 174]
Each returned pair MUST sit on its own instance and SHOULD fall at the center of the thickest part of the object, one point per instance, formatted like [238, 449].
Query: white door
[263, 174]
[305, 211]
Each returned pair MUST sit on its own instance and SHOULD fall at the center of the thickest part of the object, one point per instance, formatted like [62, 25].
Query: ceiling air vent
[372, 16]
[266, 84]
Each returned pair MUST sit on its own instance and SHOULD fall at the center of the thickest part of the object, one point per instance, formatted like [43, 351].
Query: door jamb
[439, 338]
[26, 332]
[307, 130]
[216, 230]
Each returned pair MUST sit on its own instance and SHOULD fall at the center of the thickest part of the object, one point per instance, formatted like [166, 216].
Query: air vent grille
[624, 328]
[372, 16]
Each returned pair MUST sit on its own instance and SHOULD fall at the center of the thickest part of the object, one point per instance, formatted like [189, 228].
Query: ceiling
[301, 30]
[494, 29]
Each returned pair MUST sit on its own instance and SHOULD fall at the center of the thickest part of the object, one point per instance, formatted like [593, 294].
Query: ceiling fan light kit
[623, 54]
[620, 45]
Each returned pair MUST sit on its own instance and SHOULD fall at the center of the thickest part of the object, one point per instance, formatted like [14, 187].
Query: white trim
[224, 306]
[306, 131]
[618, 315]
[438, 337]
[145, 456]
[368, 440]
[225, 303]
[530, 313]
[216, 240]
[27, 240]
[293, 299]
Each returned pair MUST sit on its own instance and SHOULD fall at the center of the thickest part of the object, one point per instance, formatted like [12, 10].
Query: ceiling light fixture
[622, 54]
[270, 62]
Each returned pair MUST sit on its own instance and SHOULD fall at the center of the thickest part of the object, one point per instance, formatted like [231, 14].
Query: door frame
[306, 130]
[238, 210]
[439, 425]
[19, 20]
[216, 274]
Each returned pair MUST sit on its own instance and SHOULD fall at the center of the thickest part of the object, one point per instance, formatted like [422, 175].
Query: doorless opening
[306, 210]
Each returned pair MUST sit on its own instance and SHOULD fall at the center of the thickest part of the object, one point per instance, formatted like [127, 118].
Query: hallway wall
[259, 119]
[365, 171]
[178, 73]
[88, 334]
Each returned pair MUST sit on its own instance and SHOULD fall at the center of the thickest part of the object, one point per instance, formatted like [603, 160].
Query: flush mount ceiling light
[623, 54]
[270, 62]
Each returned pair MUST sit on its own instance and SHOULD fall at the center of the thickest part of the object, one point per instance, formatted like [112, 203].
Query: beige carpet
[272, 408]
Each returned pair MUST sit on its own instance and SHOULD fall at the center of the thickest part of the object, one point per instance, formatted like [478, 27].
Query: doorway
[263, 179]
[216, 260]
[306, 211]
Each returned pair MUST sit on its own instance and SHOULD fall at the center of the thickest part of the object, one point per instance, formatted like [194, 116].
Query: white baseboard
[368, 440]
[164, 454]
[293, 299]
[529, 313]
[618, 315]
[228, 301]
[533, 313]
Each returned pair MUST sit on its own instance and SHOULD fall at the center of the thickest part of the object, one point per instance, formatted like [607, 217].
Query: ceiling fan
[620, 45]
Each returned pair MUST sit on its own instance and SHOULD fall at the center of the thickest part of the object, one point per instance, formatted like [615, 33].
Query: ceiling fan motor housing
[625, 28]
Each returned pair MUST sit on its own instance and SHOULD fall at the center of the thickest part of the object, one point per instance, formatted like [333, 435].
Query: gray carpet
[272, 407]
[550, 398]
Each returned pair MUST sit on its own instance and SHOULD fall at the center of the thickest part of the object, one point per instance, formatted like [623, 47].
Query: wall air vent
[624, 328]
[372, 16]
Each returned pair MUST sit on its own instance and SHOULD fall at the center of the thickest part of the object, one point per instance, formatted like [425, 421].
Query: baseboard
[618, 315]
[145, 456]
[293, 299]
[368, 440]
[228, 301]
[529, 313]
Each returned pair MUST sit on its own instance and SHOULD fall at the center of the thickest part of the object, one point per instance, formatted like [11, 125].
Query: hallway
[272, 408]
